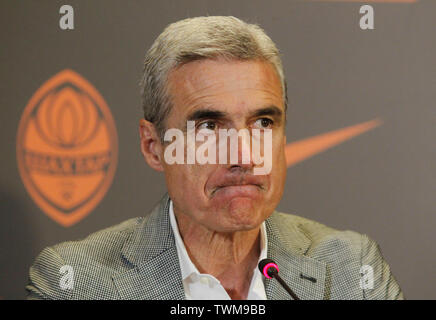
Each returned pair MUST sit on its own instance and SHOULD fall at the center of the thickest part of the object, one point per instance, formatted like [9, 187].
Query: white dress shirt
[201, 286]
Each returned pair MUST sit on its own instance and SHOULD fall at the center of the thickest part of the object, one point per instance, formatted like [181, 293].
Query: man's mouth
[238, 188]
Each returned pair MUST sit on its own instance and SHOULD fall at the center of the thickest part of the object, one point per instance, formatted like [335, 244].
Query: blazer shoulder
[348, 255]
[100, 246]
[94, 257]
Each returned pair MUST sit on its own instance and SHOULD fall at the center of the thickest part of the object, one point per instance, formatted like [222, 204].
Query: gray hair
[200, 38]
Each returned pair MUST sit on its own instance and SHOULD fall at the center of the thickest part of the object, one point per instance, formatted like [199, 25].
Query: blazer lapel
[155, 272]
[287, 245]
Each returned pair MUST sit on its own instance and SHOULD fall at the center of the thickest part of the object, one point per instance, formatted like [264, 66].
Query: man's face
[219, 94]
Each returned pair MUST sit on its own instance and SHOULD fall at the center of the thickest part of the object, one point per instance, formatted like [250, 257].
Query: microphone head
[268, 268]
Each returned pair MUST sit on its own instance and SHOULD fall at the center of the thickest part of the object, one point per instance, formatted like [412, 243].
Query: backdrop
[361, 122]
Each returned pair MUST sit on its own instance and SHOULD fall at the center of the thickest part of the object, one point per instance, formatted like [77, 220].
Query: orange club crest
[67, 147]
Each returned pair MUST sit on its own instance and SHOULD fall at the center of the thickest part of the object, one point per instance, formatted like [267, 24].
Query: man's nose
[244, 159]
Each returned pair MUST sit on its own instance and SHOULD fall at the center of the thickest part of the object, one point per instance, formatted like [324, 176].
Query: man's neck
[229, 257]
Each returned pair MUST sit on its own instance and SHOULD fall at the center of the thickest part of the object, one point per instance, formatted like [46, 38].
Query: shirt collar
[187, 267]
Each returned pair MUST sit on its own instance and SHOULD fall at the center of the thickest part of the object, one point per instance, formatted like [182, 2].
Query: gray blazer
[137, 259]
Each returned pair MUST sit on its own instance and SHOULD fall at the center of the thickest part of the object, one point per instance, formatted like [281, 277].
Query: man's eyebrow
[268, 111]
[206, 114]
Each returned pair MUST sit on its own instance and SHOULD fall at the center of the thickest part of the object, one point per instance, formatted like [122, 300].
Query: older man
[205, 238]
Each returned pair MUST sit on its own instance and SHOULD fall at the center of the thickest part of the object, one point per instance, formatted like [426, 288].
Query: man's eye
[263, 123]
[209, 125]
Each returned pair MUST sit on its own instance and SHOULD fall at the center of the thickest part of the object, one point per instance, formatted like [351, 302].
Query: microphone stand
[275, 275]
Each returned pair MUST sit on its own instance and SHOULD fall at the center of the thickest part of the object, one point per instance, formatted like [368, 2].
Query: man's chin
[242, 214]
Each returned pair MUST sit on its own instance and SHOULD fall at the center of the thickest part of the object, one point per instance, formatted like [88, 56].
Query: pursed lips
[237, 184]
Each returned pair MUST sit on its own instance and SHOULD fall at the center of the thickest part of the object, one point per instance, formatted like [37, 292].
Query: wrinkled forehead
[231, 86]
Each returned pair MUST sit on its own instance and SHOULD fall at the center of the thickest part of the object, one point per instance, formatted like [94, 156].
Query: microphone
[271, 270]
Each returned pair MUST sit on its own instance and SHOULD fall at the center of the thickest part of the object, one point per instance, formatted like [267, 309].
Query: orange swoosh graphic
[298, 151]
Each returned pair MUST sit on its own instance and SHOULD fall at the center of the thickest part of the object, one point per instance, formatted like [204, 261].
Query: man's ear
[151, 146]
